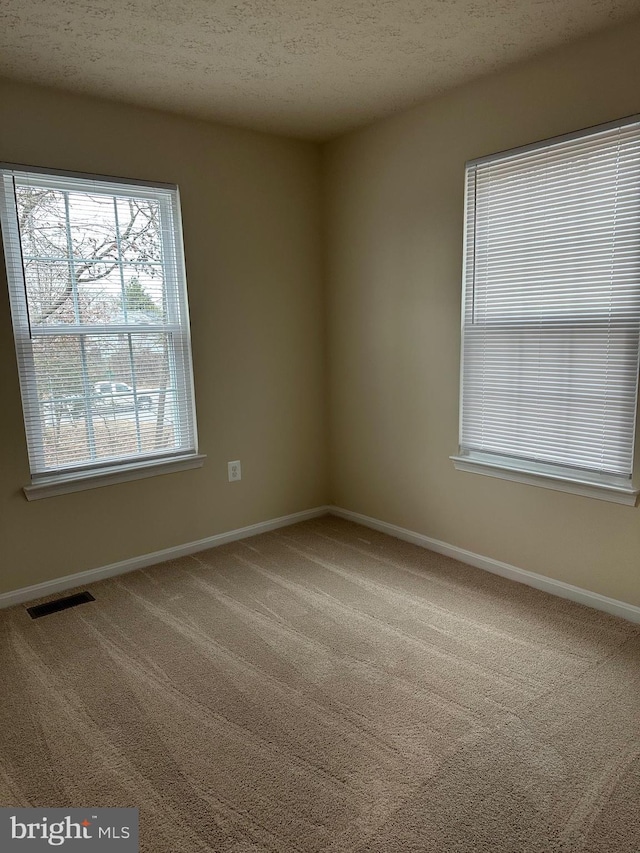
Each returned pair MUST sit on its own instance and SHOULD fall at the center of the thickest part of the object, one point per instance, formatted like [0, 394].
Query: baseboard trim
[564, 590]
[40, 590]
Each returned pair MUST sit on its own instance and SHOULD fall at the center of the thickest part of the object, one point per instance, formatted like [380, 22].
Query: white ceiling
[308, 68]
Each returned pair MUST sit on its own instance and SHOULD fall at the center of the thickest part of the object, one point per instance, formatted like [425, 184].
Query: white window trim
[64, 484]
[59, 482]
[570, 482]
[586, 484]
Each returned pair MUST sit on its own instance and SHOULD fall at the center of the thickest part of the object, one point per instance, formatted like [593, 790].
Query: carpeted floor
[328, 688]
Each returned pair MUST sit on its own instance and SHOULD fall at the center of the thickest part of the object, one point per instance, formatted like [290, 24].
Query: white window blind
[98, 297]
[551, 308]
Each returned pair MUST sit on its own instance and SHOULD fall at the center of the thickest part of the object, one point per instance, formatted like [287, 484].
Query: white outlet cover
[234, 470]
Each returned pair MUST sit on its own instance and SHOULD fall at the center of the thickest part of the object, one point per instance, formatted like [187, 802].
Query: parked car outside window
[119, 395]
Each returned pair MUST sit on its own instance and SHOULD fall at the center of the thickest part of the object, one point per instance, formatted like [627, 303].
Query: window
[551, 313]
[99, 305]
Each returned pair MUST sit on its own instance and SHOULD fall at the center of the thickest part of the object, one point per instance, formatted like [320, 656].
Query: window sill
[64, 484]
[621, 494]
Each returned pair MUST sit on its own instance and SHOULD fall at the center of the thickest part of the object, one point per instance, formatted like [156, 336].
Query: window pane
[139, 229]
[104, 396]
[41, 213]
[144, 294]
[557, 239]
[94, 259]
[92, 226]
[49, 292]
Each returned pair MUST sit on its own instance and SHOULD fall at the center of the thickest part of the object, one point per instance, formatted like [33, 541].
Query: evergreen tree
[136, 298]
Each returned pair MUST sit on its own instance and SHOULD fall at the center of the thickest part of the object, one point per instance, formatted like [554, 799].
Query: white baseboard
[40, 590]
[564, 590]
[555, 587]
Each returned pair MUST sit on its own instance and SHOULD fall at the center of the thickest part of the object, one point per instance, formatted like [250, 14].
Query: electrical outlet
[235, 471]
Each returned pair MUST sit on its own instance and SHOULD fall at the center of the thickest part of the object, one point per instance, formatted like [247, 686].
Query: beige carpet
[328, 688]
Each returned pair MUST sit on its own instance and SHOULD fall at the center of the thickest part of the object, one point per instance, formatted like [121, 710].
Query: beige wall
[394, 207]
[250, 206]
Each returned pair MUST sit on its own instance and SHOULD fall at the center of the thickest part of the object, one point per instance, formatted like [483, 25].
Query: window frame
[99, 472]
[622, 489]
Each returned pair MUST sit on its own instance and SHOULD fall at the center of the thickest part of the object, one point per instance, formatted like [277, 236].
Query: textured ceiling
[310, 68]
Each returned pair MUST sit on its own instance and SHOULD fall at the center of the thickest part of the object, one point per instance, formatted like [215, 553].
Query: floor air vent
[59, 604]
